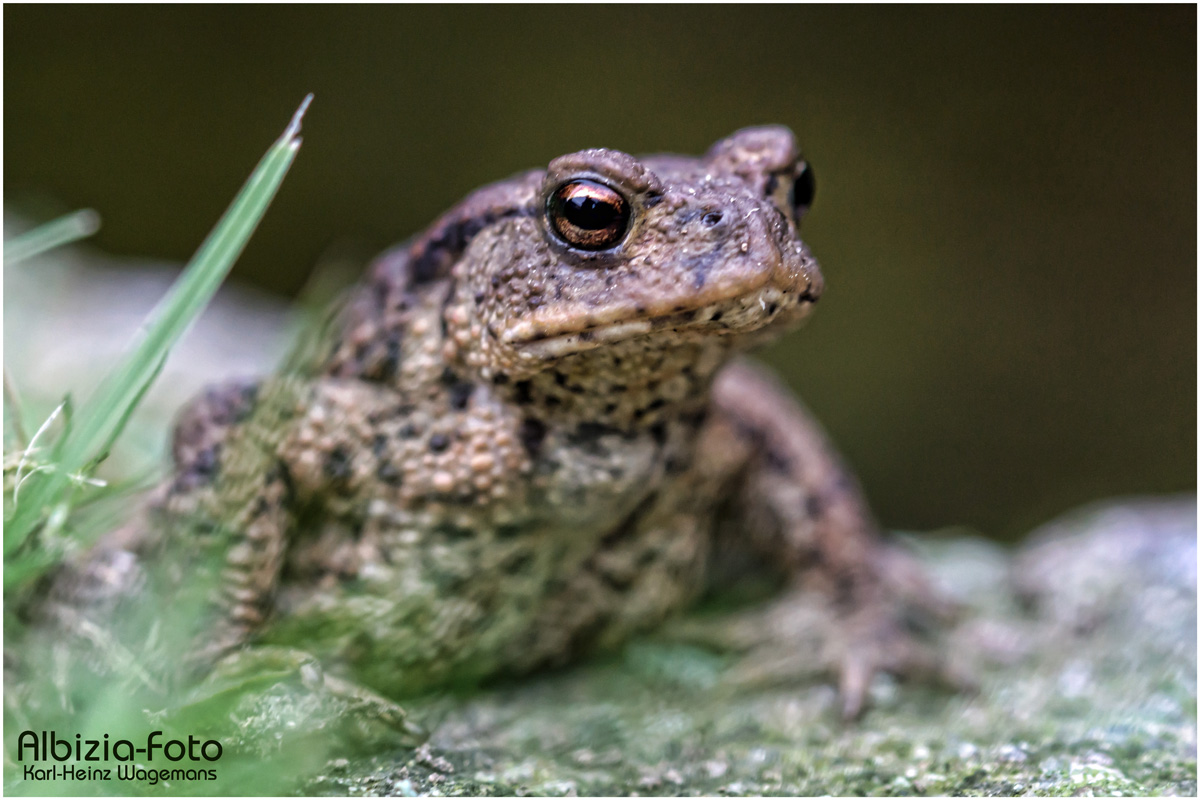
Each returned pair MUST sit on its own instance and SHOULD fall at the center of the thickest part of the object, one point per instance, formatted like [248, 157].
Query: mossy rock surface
[1088, 639]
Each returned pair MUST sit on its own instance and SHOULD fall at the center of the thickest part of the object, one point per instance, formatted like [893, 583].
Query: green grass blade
[99, 421]
[64, 230]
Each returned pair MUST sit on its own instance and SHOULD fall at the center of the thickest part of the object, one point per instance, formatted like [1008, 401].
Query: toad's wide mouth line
[763, 306]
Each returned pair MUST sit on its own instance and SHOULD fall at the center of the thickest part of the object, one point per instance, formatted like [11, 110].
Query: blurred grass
[50, 493]
[85, 440]
[62, 231]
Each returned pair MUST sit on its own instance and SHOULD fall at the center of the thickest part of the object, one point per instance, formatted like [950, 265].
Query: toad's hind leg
[801, 511]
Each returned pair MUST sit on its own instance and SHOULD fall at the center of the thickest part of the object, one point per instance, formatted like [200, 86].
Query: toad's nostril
[712, 218]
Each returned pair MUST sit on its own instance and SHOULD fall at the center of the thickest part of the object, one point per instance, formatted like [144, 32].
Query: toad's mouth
[728, 317]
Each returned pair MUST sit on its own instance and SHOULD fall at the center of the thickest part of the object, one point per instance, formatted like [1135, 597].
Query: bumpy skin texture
[510, 450]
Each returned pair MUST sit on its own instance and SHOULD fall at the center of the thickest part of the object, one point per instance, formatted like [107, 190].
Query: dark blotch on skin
[509, 531]
[379, 445]
[207, 461]
[460, 395]
[391, 356]
[629, 525]
[437, 251]
[408, 431]
[618, 583]
[248, 394]
[445, 323]
[648, 557]
[659, 433]
[388, 473]
[337, 464]
[518, 562]
[587, 436]
[587, 432]
[281, 473]
[455, 533]
[439, 442]
[777, 462]
[229, 403]
[699, 266]
[533, 433]
[524, 392]
[584, 636]
[203, 528]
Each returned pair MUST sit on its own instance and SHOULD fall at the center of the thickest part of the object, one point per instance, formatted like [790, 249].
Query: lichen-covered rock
[1085, 643]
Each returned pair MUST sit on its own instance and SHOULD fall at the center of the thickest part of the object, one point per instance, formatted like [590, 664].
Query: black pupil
[588, 215]
[587, 212]
[804, 188]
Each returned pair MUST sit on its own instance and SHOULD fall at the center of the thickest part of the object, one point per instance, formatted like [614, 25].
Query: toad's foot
[799, 638]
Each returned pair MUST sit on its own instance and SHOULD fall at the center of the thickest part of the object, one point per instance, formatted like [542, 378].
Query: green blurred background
[1006, 204]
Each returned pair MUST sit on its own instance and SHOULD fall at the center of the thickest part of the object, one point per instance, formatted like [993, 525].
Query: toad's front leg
[190, 578]
[799, 509]
[199, 576]
[218, 532]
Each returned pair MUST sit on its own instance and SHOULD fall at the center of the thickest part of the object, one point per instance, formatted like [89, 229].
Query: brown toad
[529, 434]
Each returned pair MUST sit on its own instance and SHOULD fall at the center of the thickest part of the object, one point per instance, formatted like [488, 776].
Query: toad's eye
[588, 215]
[803, 189]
